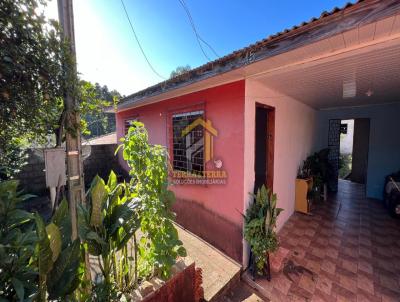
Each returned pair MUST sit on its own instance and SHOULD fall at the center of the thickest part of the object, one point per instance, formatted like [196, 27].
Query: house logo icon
[203, 144]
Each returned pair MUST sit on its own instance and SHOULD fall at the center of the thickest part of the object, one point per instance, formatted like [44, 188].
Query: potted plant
[317, 168]
[259, 230]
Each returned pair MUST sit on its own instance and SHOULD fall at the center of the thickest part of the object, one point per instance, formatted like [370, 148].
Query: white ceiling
[315, 76]
[321, 85]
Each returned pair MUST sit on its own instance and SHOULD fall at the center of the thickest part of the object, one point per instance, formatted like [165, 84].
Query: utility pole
[75, 180]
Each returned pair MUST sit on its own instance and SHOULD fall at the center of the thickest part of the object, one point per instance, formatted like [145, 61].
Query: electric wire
[198, 37]
[138, 42]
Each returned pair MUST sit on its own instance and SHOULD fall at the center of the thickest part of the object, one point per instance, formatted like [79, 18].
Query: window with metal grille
[188, 148]
[128, 123]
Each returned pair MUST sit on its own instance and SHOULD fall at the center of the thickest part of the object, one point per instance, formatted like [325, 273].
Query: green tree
[36, 71]
[101, 122]
[179, 70]
[31, 76]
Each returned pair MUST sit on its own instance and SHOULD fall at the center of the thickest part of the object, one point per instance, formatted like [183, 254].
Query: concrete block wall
[101, 161]
[32, 177]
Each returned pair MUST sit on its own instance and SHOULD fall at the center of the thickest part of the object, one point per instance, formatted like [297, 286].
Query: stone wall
[101, 161]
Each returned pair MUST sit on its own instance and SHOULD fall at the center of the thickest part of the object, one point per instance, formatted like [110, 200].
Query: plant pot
[253, 267]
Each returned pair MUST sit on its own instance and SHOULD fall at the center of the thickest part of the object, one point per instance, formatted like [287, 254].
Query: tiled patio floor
[350, 244]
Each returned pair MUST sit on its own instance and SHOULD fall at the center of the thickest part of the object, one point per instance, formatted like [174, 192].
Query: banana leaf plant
[59, 259]
[260, 225]
[18, 274]
[39, 263]
[107, 223]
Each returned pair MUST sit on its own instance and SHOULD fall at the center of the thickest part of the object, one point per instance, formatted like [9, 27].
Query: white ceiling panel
[321, 85]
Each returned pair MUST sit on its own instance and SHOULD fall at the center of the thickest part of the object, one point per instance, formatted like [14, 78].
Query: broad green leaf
[182, 251]
[61, 213]
[120, 215]
[112, 181]
[18, 217]
[94, 236]
[19, 288]
[83, 221]
[44, 251]
[96, 245]
[61, 280]
[98, 195]
[54, 235]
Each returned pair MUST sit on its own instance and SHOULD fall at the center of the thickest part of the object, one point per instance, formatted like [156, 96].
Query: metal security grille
[128, 123]
[188, 149]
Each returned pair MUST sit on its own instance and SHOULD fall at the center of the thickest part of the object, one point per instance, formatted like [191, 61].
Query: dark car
[392, 194]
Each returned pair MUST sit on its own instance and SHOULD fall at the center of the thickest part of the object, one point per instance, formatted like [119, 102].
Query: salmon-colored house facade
[201, 207]
[271, 105]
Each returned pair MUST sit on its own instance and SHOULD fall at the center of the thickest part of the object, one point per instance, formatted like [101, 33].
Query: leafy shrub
[128, 228]
[12, 157]
[318, 167]
[160, 245]
[106, 225]
[58, 257]
[17, 246]
[259, 226]
[36, 261]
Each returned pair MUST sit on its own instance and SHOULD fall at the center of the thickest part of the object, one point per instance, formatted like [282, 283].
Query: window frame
[200, 107]
[134, 118]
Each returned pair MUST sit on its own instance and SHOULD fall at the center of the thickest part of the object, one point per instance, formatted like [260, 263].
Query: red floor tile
[351, 246]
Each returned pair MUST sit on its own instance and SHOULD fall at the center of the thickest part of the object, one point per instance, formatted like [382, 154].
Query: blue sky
[107, 51]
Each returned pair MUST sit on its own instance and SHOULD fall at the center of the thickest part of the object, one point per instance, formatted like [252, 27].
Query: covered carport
[348, 250]
[353, 75]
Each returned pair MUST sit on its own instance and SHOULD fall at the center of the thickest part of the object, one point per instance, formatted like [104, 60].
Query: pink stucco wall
[294, 140]
[224, 106]
[231, 108]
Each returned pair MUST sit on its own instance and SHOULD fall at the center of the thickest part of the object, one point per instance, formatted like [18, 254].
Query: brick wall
[101, 161]
[180, 287]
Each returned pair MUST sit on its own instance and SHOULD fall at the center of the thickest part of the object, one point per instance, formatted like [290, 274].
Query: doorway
[352, 148]
[346, 148]
[264, 146]
[354, 145]
[359, 170]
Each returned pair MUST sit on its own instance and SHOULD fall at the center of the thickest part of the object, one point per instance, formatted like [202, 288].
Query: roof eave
[328, 25]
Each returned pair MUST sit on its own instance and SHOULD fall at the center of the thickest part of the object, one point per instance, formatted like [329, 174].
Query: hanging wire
[198, 37]
[140, 46]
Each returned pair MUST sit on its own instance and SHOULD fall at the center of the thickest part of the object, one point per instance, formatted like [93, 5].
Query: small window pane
[128, 123]
[188, 150]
